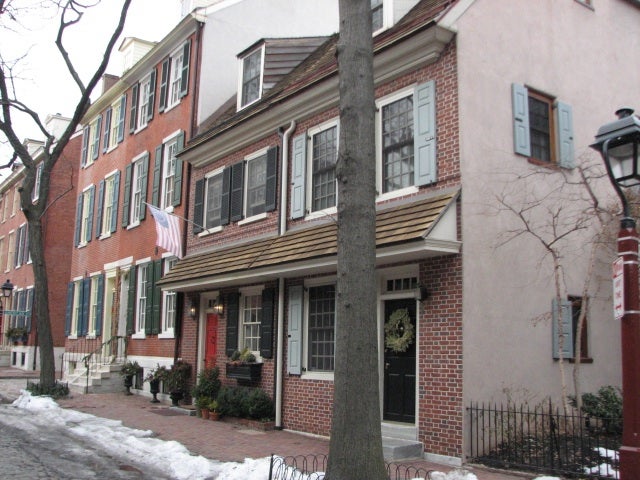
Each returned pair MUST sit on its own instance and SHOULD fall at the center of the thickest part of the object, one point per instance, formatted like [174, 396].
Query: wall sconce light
[218, 307]
[193, 311]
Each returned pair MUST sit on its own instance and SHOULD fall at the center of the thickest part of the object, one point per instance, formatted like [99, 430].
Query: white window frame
[241, 100]
[260, 154]
[143, 101]
[115, 121]
[141, 298]
[169, 164]
[380, 104]
[85, 216]
[309, 193]
[77, 306]
[107, 204]
[175, 78]
[211, 175]
[306, 373]
[11, 250]
[93, 306]
[138, 191]
[93, 145]
[169, 298]
[35, 194]
[20, 245]
[16, 201]
[246, 293]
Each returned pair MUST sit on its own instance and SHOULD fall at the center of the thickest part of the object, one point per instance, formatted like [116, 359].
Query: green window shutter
[298, 176]
[100, 304]
[184, 80]
[294, 342]
[133, 110]
[152, 95]
[237, 191]
[22, 306]
[99, 208]
[565, 326]
[25, 248]
[164, 85]
[29, 308]
[233, 317]
[225, 201]
[85, 145]
[114, 205]
[143, 180]
[520, 104]
[131, 300]
[83, 321]
[69, 310]
[148, 323]
[156, 300]
[96, 140]
[198, 206]
[107, 130]
[271, 193]
[177, 185]
[266, 323]
[424, 134]
[564, 122]
[91, 192]
[123, 112]
[157, 177]
[128, 171]
[76, 235]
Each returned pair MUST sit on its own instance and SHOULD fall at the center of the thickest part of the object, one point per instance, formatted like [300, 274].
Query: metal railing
[84, 353]
[542, 439]
[313, 466]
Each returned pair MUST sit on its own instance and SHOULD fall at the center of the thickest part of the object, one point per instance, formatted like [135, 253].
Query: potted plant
[128, 371]
[177, 379]
[17, 334]
[202, 404]
[243, 366]
[154, 377]
[208, 383]
[214, 414]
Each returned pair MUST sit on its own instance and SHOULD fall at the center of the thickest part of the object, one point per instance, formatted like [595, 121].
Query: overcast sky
[43, 82]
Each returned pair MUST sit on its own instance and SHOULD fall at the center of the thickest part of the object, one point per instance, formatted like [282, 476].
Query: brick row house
[21, 351]
[467, 104]
[128, 162]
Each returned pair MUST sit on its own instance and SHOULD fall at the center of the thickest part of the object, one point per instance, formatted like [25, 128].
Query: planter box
[246, 371]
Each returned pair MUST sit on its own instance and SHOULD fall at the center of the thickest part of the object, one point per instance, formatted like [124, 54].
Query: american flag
[168, 231]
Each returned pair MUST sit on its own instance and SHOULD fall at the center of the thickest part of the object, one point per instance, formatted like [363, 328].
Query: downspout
[284, 189]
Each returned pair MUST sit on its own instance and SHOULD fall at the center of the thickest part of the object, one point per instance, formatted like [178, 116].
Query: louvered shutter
[148, 322]
[424, 134]
[184, 80]
[29, 309]
[266, 323]
[131, 300]
[25, 247]
[298, 176]
[198, 206]
[157, 298]
[107, 129]
[114, 204]
[99, 304]
[123, 114]
[564, 122]
[152, 95]
[83, 322]
[133, 110]
[76, 235]
[237, 191]
[100, 205]
[128, 171]
[272, 180]
[22, 306]
[157, 177]
[91, 192]
[225, 200]
[294, 334]
[177, 183]
[69, 310]
[164, 85]
[565, 325]
[233, 317]
[521, 134]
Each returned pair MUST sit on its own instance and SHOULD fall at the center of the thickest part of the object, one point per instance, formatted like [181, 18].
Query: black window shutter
[131, 300]
[99, 207]
[157, 297]
[233, 317]
[127, 194]
[184, 80]
[198, 207]
[69, 309]
[237, 184]
[152, 95]
[148, 321]
[86, 297]
[164, 83]
[157, 170]
[226, 194]
[177, 183]
[266, 323]
[272, 180]
[133, 112]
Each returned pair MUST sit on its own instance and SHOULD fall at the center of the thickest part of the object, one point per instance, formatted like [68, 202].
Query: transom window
[251, 317]
[251, 77]
[324, 148]
[397, 145]
[321, 328]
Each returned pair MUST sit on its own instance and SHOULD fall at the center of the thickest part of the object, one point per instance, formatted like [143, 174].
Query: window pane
[251, 317]
[322, 315]
[397, 145]
[325, 154]
[256, 185]
[176, 77]
[539, 126]
[376, 15]
[214, 201]
[251, 77]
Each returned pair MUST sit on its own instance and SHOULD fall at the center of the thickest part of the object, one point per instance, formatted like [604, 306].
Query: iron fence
[543, 439]
[312, 467]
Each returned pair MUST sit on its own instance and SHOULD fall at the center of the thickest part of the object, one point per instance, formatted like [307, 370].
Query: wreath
[398, 331]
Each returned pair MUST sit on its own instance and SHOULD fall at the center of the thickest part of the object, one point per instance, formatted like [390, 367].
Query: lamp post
[619, 142]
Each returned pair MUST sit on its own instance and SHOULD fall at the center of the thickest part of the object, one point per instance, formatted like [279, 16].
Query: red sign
[618, 288]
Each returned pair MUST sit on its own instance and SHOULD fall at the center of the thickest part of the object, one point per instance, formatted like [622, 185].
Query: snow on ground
[140, 447]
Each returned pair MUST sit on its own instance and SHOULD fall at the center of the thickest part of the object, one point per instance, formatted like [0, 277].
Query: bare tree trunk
[355, 450]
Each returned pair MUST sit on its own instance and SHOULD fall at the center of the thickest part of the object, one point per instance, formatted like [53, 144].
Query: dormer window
[251, 77]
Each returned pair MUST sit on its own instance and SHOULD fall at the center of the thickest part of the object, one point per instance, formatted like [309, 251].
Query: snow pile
[605, 469]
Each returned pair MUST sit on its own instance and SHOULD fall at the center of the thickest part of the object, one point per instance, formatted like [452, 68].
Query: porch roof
[421, 228]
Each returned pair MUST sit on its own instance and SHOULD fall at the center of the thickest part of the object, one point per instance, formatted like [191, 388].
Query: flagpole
[178, 216]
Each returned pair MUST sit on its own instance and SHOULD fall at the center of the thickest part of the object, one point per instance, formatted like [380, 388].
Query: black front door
[400, 366]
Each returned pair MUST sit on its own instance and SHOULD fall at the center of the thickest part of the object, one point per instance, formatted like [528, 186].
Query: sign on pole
[618, 288]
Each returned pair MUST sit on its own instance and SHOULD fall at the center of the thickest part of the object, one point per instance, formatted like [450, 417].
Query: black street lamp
[619, 142]
[7, 288]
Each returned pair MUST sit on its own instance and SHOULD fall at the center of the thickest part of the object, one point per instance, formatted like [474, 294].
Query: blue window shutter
[114, 205]
[565, 134]
[294, 342]
[565, 326]
[99, 304]
[143, 179]
[164, 85]
[123, 114]
[521, 136]
[107, 130]
[128, 171]
[266, 323]
[131, 300]
[99, 208]
[83, 322]
[184, 80]
[272, 180]
[85, 145]
[157, 170]
[96, 140]
[29, 308]
[133, 109]
[233, 317]
[424, 134]
[298, 176]
[91, 192]
[225, 201]
[237, 191]
[76, 236]
[152, 95]
[198, 206]
[69, 310]
[177, 184]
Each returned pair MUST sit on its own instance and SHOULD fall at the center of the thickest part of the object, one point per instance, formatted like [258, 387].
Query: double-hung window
[213, 211]
[251, 77]
[142, 102]
[174, 83]
[144, 298]
[167, 172]
[141, 304]
[81, 316]
[84, 216]
[35, 194]
[256, 185]
[114, 124]
[21, 255]
[377, 15]
[251, 317]
[11, 250]
[542, 127]
[107, 213]
[91, 141]
[168, 304]
[96, 295]
[135, 191]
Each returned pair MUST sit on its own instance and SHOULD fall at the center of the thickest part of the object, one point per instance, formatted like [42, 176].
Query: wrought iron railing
[543, 439]
[85, 354]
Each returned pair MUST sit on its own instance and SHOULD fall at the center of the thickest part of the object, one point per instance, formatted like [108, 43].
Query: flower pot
[204, 413]
[128, 383]
[154, 388]
[176, 396]
[215, 416]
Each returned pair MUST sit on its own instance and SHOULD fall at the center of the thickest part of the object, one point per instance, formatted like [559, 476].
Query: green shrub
[260, 405]
[606, 406]
[58, 390]
[245, 402]
[208, 384]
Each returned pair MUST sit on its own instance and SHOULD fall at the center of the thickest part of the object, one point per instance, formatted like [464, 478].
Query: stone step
[395, 449]
[399, 430]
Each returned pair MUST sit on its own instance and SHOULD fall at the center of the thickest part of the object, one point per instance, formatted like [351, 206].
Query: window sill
[397, 193]
[72, 336]
[573, 360]
[254, 218]
[139, 129]
[104, 236]
[133, 225]
[166, 335]
[543, 163]
[168, 108]
[323, 376]
[138, 336]
[210, 231]
[327, 212]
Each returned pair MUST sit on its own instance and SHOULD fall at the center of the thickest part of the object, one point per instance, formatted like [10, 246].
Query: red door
[211, 340]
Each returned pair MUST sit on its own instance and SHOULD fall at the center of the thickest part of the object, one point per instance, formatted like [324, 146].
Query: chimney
[108, 81]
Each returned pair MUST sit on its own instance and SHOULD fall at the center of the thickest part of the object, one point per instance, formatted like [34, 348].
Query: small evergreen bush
[606, 406]
[58, 390]
[245, 402]
[208, 384]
